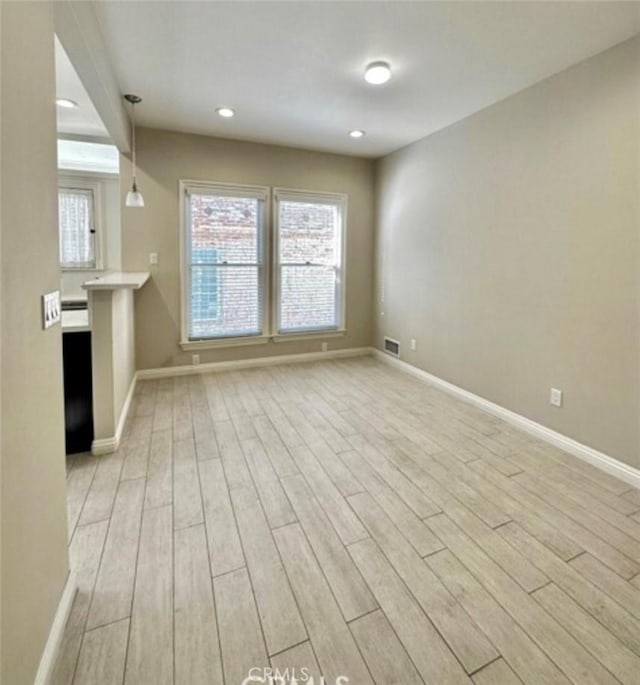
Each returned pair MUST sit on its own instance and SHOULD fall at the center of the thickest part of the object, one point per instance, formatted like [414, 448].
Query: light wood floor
[345, 518]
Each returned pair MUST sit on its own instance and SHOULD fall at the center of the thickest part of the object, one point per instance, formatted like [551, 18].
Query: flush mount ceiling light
[225, 112]
[377, 73]
[66, 103]
[134, 196]
[356, 133]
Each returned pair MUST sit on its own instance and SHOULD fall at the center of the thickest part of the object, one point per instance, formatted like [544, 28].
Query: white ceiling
[83, 120]
[293, 70]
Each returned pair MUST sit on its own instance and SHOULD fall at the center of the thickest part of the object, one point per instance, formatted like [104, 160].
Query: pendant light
[134, 196]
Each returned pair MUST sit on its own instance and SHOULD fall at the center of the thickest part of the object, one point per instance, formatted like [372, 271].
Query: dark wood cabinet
[78, 391]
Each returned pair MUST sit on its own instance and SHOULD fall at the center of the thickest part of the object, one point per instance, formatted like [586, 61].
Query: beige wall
[164, 158]
[124, 363]
[33, 514]
[508, 247]
[113, 357]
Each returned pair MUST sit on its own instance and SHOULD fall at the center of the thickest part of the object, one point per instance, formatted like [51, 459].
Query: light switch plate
[50, 309]
[153, 257]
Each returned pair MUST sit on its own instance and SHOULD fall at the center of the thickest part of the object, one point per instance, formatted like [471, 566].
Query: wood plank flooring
[342, 518]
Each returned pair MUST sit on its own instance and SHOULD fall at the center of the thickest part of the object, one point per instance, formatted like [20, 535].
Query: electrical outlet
[556, 397]
[413, 344]
[153, 257]
[195, 359]
[325, 346]
[50, 309]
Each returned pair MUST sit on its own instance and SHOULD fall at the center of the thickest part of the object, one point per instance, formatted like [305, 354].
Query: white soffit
[82, 120]
[75, 155]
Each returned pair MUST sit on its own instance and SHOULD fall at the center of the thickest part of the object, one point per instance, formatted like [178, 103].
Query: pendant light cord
[133, 142]
[134, 196]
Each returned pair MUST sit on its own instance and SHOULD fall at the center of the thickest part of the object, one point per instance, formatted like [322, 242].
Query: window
[223, 248]
[77, 226]
[229, 249]
[309, 262]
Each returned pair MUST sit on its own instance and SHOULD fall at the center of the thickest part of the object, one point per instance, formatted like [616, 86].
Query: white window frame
[335, 199]
[75, 182]
[185, 187]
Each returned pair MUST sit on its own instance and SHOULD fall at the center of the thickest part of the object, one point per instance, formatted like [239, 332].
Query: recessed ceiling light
[377, 73]
[356, 133]
[226, 112]
[66, 103]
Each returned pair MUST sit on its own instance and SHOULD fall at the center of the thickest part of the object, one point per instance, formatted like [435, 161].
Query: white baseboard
[189, 369]
[50, 653]
[104, 446]
[111, 444]
[623, 471]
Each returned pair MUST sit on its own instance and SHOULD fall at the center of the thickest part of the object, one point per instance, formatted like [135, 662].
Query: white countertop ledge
[119, 280]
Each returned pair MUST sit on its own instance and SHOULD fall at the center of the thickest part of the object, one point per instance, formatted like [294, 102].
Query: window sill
[81, 269]
[193, 345]
[309, 335]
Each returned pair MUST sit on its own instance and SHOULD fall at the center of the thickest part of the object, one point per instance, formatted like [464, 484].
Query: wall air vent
[392, 347]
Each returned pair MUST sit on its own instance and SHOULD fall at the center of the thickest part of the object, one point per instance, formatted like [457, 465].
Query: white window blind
[224, 247]
[309, 261]
[76, 218]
